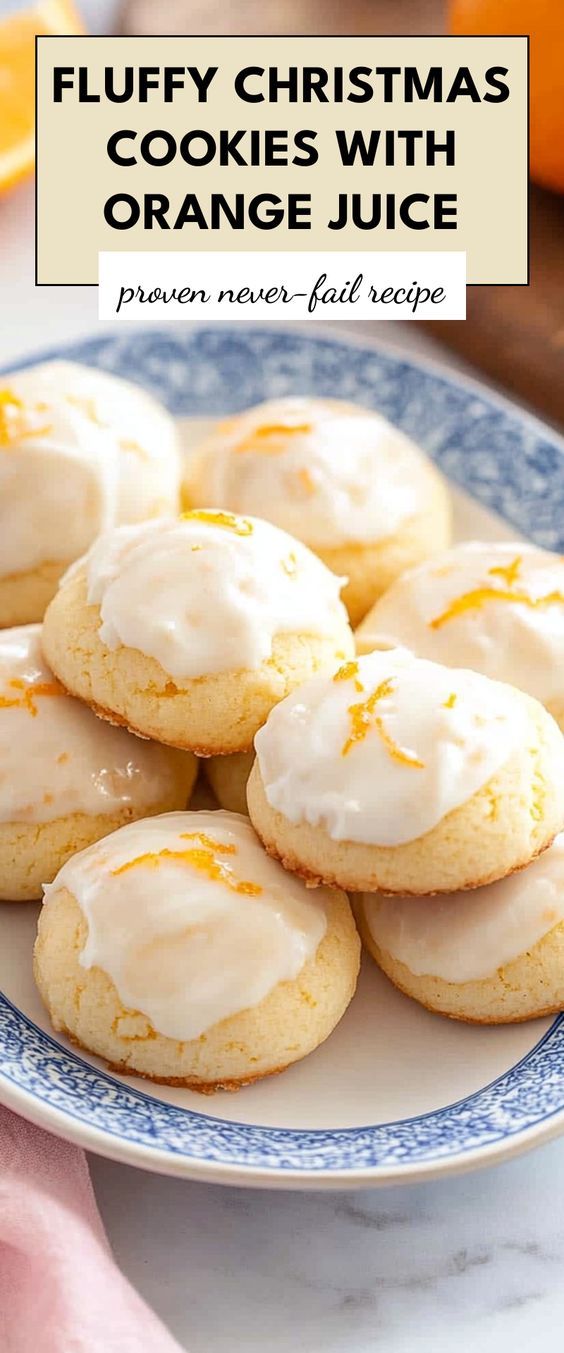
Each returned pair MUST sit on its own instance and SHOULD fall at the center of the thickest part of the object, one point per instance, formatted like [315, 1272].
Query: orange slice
[17, 81]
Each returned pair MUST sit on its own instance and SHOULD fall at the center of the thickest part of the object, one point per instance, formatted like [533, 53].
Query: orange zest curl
[87, 407]
[306, 480]
[240, 525]
[15, 424]
[202, 858]
[282, 429]
[274, 433]
[349, 672]
[509, 572]
[27, 694]
[290, 564]
[398, 753]
[220, 847]
[473, 601]
[363, 718]
[7, 398]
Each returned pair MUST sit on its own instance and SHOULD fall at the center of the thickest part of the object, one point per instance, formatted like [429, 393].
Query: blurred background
[513, 336]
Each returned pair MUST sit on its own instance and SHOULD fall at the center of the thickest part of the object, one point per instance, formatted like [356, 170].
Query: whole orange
[17, 80]
[543, 20]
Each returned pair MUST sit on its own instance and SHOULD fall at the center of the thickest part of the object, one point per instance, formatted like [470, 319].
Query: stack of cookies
[418, 787]
[80, 451]
[418, 771]
[339, 478]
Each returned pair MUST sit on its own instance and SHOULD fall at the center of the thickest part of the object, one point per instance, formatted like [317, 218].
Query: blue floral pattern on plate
[511, 464]
[526, 1094]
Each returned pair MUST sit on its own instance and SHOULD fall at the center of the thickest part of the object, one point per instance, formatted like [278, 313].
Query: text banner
[281, 286]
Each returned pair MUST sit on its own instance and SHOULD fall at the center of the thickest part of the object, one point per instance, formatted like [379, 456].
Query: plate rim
[430, 364]
[161, 1159]
[125, 1152]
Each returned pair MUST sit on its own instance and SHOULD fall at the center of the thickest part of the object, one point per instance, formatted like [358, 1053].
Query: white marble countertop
[470, 1262]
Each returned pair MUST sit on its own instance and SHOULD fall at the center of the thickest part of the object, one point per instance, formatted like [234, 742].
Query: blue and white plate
[396, 1093]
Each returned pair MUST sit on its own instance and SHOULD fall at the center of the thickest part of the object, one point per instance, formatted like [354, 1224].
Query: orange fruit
[17, 81]
[543, 20]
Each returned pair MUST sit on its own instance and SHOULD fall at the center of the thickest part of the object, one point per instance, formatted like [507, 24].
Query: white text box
[281, 286]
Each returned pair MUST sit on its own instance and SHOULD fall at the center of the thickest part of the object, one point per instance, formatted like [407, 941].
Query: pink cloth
[60, 1288]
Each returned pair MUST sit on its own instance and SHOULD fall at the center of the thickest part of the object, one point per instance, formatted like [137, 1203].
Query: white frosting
[327, 471]
[467, 939]
[387, 771]
[79, 451]
[207, 593]
[56, 757]
[472, 608]
[183, 947]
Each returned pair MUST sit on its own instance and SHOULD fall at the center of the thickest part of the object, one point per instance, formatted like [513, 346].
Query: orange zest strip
[28, 694]
[202, 858]
[276, 431]
[8, 397]
[509, 572]
[220, 847]
[363, 718]
[290, 565]
[306, 480]
[349, 673]
[240, 525]
[282, 429]
[398, 753]
[87, 407]
[15, 424]
[472, 601]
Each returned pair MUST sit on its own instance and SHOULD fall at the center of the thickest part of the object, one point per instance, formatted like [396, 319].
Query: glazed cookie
[189, 631]
[79, 451]
[491, 958]
[340, 478]
[198, 961]
[408, 776]
[228, 776]
[66, 779]
[498, 608]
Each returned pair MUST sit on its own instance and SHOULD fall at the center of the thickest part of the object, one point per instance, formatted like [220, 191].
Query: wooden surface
[515, 334]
